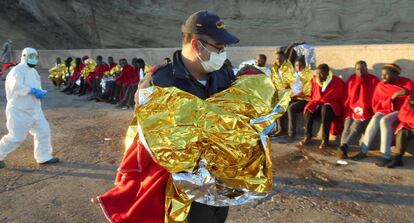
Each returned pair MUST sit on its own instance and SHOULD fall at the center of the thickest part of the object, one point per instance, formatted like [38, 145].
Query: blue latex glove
[38, 93]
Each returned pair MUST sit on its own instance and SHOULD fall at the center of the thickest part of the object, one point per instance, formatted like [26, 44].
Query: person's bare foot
[305, 141]
[324, 144]
[95, 200]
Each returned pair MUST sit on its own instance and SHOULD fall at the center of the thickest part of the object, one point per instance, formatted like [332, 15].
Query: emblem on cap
[220, 25]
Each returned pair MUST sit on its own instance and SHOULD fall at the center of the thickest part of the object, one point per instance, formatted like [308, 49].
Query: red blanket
[77, 72]
[381, 101]
[100, 70]
[406, 116]
[140, 192]
[333, 96]
[360, 91]
[127, 75]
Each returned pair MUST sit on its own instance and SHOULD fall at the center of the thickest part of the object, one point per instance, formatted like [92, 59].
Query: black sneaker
[51, 161]
[359, 156]
[383, 162]
[2, 164]
[343, 152]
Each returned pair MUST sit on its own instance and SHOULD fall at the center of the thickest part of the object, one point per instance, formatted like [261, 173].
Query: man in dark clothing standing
[199, 70]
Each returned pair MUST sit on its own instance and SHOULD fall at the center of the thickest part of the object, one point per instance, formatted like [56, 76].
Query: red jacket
[406, 116]
[101, 69]
[126, 76]
[360, 91]
[382, 102]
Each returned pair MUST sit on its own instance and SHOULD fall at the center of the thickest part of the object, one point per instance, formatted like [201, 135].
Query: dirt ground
[88, 138]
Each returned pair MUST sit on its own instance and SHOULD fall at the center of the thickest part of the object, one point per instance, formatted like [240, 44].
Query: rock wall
[340, 58]
[59, 24]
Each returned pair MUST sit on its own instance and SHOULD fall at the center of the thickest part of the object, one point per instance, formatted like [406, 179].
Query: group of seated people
[109, 82]
[362, 105]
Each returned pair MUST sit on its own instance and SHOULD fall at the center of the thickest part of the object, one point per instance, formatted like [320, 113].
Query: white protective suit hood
[29, 56]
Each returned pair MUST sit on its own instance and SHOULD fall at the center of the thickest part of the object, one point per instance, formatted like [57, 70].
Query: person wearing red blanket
[198, 69]
[75, 76]
[327, 96]
[389, 95]
[111, 63]
[358, 110]
[100, 69]
[126, 77]
[128, 99]
[404, 131]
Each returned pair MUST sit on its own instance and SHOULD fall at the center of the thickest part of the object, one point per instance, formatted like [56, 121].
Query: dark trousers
[402, 139]
[117, 92]
[97, 89]
[353, 129]
[326, 113]
[128, 98]
[82, 86]
[294, 108]
[109, 88]
[288, 120]
[202, 213]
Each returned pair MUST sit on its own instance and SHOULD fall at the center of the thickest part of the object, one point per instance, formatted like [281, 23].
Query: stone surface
[58, 24]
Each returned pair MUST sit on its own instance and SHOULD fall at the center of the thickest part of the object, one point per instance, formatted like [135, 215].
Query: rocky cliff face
[59, 24]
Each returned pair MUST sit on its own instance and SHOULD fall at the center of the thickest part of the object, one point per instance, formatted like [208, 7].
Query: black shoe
[2, 164]
[397, 161]
[383, 162]
[51, 161]
[99, 99]
[343, 152]
[359, 156]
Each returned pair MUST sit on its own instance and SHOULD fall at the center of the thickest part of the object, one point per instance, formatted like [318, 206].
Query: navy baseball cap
[209, 24]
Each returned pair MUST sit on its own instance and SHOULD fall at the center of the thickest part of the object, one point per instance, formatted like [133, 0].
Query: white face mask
[215, 62]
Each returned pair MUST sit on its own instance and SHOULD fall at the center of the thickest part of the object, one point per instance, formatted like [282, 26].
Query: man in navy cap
[199, 69]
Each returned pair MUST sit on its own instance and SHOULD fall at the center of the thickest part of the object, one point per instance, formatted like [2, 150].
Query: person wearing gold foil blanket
[301, 96]
[203, 103]
[284, 77]
[57, 73]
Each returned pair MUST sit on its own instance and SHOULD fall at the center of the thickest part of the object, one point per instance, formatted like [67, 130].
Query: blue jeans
[384, 123]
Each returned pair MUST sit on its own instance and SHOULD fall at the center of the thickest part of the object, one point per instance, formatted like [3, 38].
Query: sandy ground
[308, 185]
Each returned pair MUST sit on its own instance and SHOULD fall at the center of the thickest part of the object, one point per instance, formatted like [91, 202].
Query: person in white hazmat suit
[24, 112]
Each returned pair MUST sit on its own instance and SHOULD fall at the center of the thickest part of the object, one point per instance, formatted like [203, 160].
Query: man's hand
[399, 93]
[38, 93]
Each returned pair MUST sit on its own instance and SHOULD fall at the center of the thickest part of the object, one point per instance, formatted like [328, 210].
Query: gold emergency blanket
[217, 149]
[58, 72]
[90, 66]
[113, 71]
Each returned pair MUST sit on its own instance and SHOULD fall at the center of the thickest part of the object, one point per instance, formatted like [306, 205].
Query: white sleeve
[17, 84]
[141, 74]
